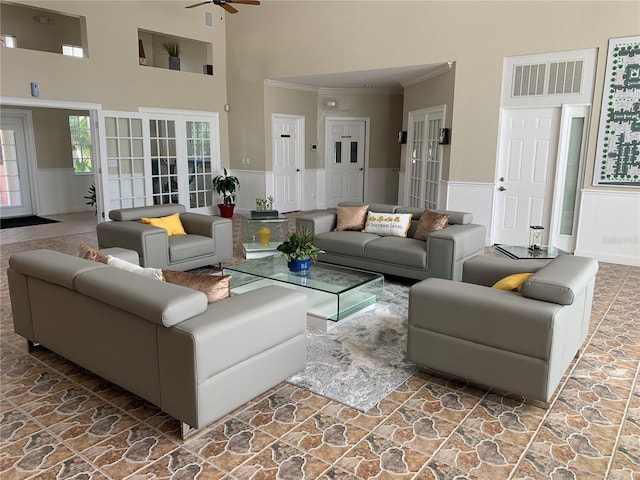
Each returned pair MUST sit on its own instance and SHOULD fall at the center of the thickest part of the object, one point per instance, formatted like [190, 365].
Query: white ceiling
[383, 78]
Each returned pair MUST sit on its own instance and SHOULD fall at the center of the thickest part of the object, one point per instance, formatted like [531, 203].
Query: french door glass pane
[124, 159]
[164, 162]
[199, 164]
[10, 195]
[354, 152]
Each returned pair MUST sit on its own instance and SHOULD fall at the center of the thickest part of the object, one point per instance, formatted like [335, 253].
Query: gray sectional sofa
[519, 342]
[163, 342]
[441, 255]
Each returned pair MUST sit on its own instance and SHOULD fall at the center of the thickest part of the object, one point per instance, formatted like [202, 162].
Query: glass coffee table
[521, 252]
[333, 292]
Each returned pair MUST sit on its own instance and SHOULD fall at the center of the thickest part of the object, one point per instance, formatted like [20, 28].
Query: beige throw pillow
[215, 287]
[351, 218]
[89, 252]
[430, 222]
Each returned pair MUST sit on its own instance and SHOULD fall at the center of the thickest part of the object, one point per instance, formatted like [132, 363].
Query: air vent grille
[551, 78]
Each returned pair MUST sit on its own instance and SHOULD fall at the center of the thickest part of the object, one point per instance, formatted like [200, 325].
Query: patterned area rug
[362, 360]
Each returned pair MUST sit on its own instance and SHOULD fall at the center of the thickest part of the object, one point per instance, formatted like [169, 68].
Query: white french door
[288, 161]
[526, 173]
[345, 149]
[15, 192]
[155, 159]
[425, 157]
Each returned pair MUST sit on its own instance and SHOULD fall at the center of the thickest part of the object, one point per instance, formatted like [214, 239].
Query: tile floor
[60, 421]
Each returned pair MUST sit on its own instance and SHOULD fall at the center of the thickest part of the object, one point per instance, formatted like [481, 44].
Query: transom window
[72, 51]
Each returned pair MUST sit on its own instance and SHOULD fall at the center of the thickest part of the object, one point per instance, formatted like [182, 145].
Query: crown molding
[444, 68]
[290, 86]
[359, 91]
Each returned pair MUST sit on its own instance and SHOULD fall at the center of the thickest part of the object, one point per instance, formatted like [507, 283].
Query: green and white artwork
[618, 150]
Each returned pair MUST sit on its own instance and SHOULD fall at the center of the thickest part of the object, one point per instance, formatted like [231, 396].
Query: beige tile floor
[60, 421]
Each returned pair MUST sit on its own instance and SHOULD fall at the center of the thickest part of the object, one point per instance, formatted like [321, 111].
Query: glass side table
[522, 252]
[261, 236]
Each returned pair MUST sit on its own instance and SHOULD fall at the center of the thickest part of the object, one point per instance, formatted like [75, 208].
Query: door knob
[361, 169]
[502, 189]
[297, 169]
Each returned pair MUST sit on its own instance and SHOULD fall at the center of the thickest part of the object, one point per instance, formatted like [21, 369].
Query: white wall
[61, 191]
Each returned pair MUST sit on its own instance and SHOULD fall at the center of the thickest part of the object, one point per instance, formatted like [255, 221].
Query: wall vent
[550, 78]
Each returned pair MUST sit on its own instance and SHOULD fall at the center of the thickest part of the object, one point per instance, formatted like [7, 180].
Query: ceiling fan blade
[246, 2]
[198, 4]
[228, 8]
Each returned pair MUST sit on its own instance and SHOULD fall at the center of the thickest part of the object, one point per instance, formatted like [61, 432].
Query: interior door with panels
[345, 156]
[288, 161]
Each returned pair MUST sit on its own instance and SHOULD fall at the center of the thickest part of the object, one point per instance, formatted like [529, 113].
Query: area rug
[363, 359]
[24, 221]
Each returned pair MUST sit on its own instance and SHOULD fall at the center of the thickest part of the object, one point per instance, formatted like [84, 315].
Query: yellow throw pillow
[170, 223]
[512, 283]
[215, 287]
[351, 218]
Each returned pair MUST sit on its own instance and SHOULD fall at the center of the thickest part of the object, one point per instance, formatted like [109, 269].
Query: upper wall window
[8, 41]
[79, 128]
[72, 51]
[39, 29]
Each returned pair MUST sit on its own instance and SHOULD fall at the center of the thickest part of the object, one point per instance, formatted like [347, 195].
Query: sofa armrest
[150, 242]
[448, 248]
[319, 222]
[486, 270]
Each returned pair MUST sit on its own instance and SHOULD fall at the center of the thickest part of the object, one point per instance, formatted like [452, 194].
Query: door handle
[297, 169]
[361, 168]
[502, 189]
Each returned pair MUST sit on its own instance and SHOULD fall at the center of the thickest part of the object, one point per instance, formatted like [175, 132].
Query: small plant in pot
[226, 185]
[174, 51]
[299, 251]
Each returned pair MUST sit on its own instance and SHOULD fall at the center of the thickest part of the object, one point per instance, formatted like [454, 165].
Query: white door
[15, 194]
[526, 168]
[288, 161]
[345, 159]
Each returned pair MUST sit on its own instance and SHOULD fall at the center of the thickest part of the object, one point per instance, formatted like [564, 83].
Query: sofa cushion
[171, 223]
[344, 243]
[215, 287]
[430, 222]
[399, 251]
[351, 218]
[184, 247]
[388, 224]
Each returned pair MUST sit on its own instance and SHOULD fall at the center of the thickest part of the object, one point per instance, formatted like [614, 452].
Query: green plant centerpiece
[299, 251]
[226, 186]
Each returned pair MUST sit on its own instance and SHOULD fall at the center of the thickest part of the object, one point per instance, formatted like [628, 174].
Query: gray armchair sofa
[163, 342]
[441, 255]
[521, 343]
[209, 238]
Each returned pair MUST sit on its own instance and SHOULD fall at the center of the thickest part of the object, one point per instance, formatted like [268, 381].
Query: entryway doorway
[15, 179]
[346, 150]
[288, 161]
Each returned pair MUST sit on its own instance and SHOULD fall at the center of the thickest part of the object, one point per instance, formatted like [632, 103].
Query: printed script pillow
[430, 222]
[171, 223]
[388, 224]
[155, 273]
[512, 283]
[351, 218]
[215, 287]
[89, 252]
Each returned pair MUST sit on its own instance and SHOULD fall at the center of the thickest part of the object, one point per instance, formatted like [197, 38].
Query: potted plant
[174, 51]
[226, 185]
[299, 251]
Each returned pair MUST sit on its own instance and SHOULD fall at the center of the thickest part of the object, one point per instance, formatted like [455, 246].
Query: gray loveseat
[521, 343]
[162, 342]
[209, 238]
[441, 255]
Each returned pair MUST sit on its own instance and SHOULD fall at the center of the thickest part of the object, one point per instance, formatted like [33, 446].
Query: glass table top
[322, 276]
[522, 252]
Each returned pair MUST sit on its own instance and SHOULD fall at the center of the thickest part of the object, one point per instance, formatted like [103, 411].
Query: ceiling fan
[226, 4]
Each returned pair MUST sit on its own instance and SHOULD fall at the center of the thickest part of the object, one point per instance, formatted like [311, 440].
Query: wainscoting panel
[609, 226]
[473, 197]
[61, 191]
